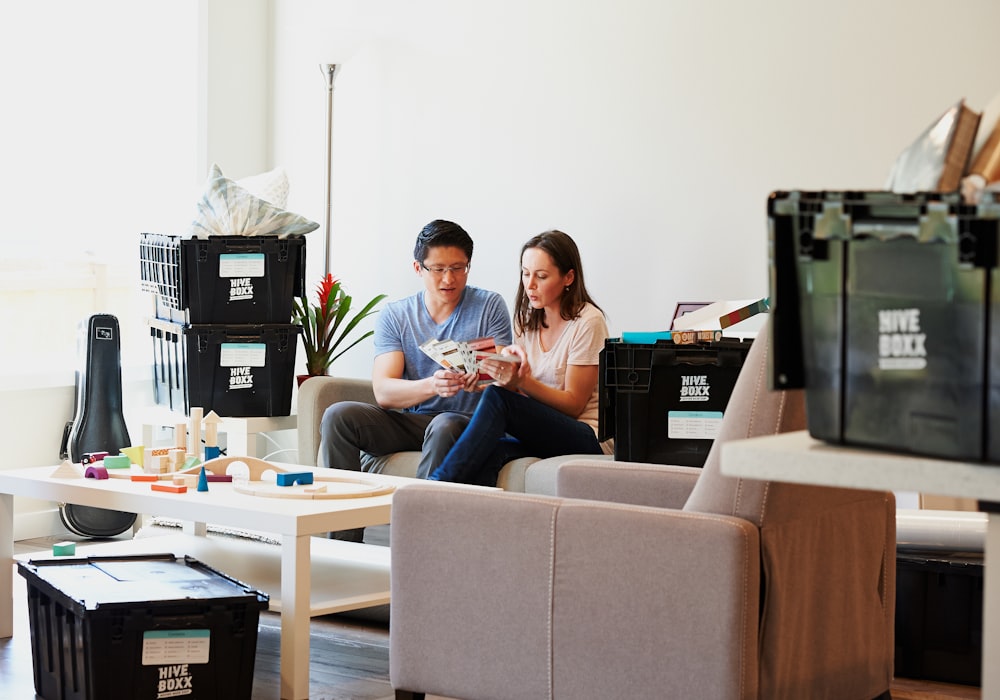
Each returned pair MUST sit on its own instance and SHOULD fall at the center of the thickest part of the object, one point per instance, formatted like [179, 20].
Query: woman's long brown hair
[566, 256]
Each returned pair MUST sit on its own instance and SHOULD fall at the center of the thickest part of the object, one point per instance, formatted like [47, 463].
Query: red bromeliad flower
[321, 322]
[325, 287]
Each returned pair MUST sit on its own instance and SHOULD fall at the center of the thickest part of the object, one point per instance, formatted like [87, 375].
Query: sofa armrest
[658, 485]
[315, 395]
[484, 583]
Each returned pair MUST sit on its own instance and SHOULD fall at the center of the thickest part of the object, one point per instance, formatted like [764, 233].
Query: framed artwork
[686, 307]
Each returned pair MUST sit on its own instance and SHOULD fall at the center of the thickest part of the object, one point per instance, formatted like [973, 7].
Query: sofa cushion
[527, 474]
[395, 464]
[540, 475]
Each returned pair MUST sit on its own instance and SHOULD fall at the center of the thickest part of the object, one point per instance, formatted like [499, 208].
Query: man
[420, 405]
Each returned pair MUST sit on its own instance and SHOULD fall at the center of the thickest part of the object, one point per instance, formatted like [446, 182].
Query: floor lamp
[329, 71]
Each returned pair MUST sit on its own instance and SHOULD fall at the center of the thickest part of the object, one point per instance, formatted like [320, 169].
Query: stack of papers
[465, 356]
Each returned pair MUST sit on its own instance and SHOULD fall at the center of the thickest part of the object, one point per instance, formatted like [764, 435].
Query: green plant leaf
[326, 328]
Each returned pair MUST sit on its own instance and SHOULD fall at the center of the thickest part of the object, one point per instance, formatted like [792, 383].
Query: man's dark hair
[439, 233]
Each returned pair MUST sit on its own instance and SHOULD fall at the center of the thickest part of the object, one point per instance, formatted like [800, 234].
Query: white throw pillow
[272, 186]
[228, 209]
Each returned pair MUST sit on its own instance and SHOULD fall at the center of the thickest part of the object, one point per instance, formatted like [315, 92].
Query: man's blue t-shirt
[402, 326]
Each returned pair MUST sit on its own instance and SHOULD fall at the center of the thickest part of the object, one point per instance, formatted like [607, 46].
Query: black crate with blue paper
[222, 279]
[663, 402]
[220, 330]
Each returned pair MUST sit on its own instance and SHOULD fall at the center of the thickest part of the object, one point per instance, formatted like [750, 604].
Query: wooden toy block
[135, 453]
[185, 480]
[219, 477]
[67, 470]
[212, 422]
[64, 549]
[117, 462]
[96, 472]
[177, 458]
[197, 413]
[169, 488]
[180, 436]
[290, 478]
[145, 477]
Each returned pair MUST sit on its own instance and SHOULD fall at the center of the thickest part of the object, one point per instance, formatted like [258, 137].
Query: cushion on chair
[753, 410]
[828, 583]
[315, 394]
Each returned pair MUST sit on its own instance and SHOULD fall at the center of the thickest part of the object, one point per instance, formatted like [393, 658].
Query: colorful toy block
[64, 549]
[291, 478]
[117, 462]
[169, 488]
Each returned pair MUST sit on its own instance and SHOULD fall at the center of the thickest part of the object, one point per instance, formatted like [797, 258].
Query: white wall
[651, 131]
[234, 84]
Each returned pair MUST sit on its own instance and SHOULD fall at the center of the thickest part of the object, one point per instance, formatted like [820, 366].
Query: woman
[544, 400]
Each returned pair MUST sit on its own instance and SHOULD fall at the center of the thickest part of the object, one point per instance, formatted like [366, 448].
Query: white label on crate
[241, 265]
[694, 387]
[242, 354]
[693, 425]
[241, 289]
[174, 649]
[901, 344]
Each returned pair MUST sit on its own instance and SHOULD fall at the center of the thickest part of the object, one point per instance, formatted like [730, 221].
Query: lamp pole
[329, 71]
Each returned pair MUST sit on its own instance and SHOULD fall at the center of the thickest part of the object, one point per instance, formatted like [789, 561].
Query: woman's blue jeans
[508, 425]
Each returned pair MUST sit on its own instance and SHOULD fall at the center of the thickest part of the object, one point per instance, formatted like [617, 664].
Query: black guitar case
[98, 424]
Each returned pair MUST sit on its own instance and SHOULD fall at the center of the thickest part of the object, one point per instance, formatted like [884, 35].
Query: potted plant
[325, 324]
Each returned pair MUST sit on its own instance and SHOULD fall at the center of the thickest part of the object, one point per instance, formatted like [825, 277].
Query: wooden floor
[349, 657]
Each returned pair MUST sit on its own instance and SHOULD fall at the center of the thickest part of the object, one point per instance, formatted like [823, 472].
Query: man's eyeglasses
[456, 270]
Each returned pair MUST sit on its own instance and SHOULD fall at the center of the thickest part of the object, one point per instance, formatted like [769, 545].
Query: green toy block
[64, 549]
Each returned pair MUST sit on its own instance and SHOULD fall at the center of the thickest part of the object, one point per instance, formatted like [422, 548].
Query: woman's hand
[508, 373]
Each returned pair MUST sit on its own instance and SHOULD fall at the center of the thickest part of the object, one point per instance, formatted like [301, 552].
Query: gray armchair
[645, 581]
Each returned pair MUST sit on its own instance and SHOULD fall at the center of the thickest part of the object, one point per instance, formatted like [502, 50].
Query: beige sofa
[528, 474]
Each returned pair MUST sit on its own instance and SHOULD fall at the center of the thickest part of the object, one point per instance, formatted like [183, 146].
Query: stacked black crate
[221, 331]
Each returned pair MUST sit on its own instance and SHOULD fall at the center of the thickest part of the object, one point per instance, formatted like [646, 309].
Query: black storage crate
[143, 627]
[170, 375]
[664, 402]
[223, 279]
[939, 617]
[234, 370]
[881, 309]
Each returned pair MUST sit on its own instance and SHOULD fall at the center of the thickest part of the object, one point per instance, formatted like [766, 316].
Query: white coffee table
[347, 575]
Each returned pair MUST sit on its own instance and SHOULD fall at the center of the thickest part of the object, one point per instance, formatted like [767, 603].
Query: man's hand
[448, 383]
